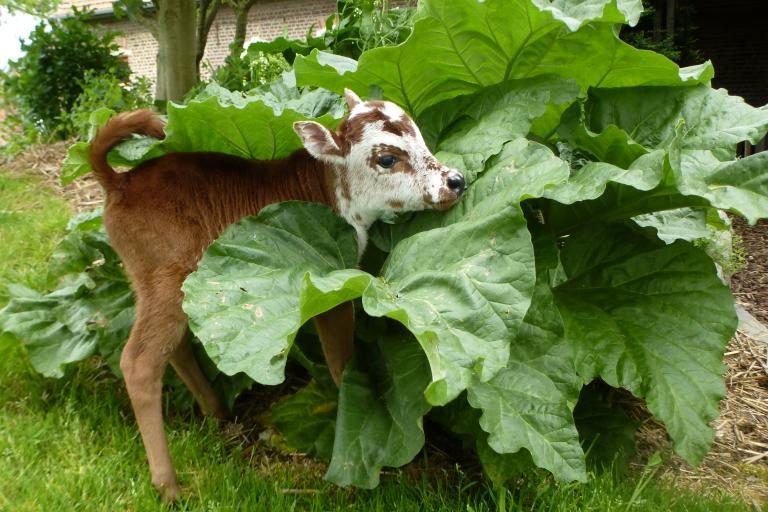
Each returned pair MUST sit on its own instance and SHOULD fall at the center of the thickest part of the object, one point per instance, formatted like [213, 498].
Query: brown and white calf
[163, 214]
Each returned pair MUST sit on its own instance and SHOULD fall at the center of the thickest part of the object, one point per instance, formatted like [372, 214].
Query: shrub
[366, 24]
[108, 91]
[44, 84]
[357, 26]
[242, 73]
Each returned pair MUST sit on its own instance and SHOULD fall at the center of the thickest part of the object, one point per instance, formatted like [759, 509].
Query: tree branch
[206, 16]
[241, 25]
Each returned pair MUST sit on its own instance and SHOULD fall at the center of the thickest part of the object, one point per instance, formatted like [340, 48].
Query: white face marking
[392, 111]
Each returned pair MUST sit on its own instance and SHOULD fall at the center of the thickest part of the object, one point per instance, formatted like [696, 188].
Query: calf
[162, 215]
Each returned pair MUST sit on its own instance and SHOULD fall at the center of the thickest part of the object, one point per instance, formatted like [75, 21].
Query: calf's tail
[117, 129]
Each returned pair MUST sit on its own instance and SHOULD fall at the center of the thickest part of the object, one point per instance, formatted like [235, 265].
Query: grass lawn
[71, 444]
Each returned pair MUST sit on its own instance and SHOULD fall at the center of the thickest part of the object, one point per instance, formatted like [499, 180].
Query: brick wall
[65, 6]
[266, 20]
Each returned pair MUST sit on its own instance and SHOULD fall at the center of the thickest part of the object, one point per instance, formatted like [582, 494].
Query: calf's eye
[387, 161]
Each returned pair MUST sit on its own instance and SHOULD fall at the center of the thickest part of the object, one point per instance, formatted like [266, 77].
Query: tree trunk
[176, 40]
[207, 13]
[670, 18]
[658, 20]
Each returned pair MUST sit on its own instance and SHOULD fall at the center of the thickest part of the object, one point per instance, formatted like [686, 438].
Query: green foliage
[104, 91]
[247, 71]
[539, 281]
[316, 251]
[361, 25]
[44, 84]
[33, 7]
[88, 311]
[357, 26]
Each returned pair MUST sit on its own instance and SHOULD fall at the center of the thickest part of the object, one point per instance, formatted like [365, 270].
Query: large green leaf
[528, 404]
[381, 405]
[463, 286]
[258, 126]
[740, 186]
[460, 290]
[613, 145]
[652, 318]
[463, 279]
[264, 278]
[687, 224]
[474, 45]
[249, 131]
[90, 311]
[474, 128]
[601, 192]
[590, 182]
[713, 120]
[523, 169]
[574, 13]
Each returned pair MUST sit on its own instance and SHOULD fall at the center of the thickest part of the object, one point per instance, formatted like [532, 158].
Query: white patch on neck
[357, 219]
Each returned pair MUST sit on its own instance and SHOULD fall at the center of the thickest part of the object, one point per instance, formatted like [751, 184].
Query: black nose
[455, 182]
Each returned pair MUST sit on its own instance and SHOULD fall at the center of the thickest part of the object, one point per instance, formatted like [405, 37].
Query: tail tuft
[117, 129]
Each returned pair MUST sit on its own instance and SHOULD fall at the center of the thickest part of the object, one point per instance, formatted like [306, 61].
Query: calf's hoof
[168, 491]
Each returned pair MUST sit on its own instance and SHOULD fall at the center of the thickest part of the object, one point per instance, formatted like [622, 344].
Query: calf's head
[381, 162]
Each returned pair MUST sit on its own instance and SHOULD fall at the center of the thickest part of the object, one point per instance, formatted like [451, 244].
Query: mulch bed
[750, 286]
[738, 462]
[44, 160]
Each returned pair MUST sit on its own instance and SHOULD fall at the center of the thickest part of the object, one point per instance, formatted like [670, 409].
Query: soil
[738, 461]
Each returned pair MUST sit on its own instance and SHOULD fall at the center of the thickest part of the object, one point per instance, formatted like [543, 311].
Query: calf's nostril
[455, 182]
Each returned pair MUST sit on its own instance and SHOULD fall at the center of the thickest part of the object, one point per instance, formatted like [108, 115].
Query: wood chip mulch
[44, 160]
[738, 461]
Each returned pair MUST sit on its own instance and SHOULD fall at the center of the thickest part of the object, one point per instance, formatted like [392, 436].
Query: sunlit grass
[32, 219]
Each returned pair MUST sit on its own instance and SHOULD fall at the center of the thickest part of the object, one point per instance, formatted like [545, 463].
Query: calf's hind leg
[158, 331]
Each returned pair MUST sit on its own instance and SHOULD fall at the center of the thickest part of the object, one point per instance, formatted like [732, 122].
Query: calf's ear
[352, 98]
[319, 141]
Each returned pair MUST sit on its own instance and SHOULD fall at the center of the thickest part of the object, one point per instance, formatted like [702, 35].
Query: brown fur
[351, 130]
[160, 217]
